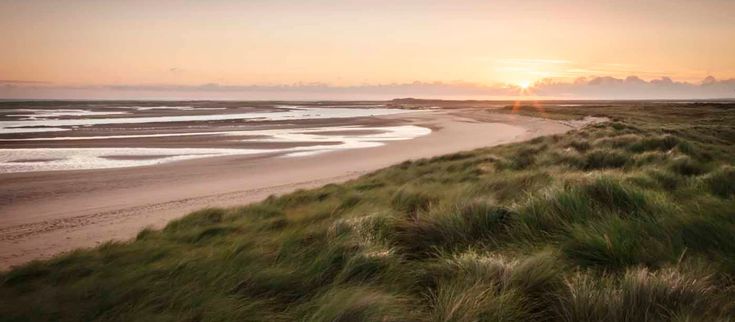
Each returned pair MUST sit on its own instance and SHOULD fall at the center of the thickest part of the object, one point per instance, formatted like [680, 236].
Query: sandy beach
[46, 213]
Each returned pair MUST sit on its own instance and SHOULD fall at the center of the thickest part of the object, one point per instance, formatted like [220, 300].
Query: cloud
[299, 91]
[633, 87]
[20, 82]
[604, 87]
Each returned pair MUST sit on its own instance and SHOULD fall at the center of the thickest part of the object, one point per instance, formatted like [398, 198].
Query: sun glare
[524, 84]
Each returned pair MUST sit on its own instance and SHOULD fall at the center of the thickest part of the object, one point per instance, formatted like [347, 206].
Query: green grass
[629, 220]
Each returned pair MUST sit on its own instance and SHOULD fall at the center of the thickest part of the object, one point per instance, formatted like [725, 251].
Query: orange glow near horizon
[349, 43]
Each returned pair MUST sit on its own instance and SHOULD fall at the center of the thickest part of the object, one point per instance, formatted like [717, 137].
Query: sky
[259, 49]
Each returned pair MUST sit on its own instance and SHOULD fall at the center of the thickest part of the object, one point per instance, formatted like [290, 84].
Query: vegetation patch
[630, 220]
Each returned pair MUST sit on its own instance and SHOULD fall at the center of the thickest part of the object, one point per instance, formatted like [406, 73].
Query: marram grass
[628, 220]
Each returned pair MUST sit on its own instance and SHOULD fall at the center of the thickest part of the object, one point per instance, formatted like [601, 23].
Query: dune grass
[628, 220]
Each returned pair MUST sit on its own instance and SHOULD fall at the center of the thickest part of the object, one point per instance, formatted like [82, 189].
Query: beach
[45, 213]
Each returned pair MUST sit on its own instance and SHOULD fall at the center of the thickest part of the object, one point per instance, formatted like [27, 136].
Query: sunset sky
[86, 44]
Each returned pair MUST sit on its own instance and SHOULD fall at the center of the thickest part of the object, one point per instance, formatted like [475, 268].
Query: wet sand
[46, 213]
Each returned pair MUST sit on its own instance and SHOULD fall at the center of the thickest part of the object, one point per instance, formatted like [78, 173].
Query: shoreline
[40, 216]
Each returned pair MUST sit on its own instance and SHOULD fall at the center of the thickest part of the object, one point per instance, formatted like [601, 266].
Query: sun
[524, 84]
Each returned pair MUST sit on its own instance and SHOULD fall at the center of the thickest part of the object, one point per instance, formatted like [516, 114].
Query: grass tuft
[686, 166]
[604, 158]
[358, 304]
[412, 200]
[722, 182]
